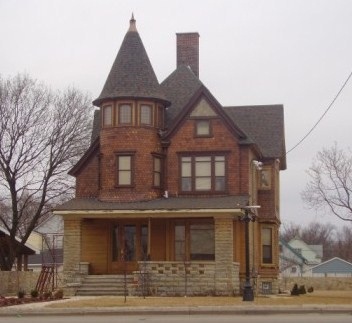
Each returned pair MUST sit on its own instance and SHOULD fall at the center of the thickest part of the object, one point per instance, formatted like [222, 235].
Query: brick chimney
[188, 51]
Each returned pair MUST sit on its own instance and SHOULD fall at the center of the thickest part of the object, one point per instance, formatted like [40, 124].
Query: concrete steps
[104, 285]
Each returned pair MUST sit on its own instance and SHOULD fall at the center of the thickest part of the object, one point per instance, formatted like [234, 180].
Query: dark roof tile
[264, 124]
[171, 203]
[132, 74]
[179, 88]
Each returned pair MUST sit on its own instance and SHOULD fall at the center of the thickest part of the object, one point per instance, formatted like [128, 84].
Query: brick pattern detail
[188, 51]
[222, 140]
[87, 181]
[142, 142]
[173, 278]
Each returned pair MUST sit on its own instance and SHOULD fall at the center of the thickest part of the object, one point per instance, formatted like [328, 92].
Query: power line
[323, 115]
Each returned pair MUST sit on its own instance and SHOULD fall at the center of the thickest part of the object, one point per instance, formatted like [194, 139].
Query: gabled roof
[132, 74]
[264, 124]
[179, 88]
[292, 250]
[203, 93]
[26, 248]
[334, 265]
[307, 252]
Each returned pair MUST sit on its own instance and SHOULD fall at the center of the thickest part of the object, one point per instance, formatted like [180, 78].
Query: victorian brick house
[162, 186]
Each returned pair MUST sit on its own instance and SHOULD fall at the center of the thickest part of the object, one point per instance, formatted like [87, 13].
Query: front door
[129, 245]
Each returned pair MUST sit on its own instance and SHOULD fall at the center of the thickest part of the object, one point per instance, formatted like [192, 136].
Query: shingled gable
[131, 75]
[183, 103]
[265, 125]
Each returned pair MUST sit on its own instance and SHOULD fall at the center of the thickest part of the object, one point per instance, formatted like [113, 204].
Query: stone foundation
[173, 278]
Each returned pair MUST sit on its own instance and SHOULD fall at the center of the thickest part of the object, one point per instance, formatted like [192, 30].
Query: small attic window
[202, 128]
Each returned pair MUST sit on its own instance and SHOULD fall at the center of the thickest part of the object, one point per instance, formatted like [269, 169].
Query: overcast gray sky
[292, 52]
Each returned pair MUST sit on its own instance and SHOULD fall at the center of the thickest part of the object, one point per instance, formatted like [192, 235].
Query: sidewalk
[35, 309]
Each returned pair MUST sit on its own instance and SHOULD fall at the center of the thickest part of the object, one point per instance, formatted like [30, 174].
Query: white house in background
[335, 267]
[312, 253]
[49, 234]
[292, 263]
[48, 238]
[297, 257]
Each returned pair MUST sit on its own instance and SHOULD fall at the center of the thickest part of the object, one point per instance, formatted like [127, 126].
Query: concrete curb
[23, 310]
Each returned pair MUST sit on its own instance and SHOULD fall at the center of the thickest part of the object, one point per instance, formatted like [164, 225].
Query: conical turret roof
[131, 75]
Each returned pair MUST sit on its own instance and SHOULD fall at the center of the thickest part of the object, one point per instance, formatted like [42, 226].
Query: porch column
[19, 262]
[72, 248]
[224, 255]
[25, 262]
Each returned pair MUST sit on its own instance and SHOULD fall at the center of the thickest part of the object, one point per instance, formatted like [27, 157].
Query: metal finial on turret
[132, 24]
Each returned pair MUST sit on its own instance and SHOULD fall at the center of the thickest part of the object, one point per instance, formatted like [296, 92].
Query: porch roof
[164, 204]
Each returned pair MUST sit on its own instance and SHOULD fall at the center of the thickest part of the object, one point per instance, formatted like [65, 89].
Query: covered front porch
[177, 252]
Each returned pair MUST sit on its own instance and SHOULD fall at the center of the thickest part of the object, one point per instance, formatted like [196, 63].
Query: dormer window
[146, 115]
[125, 114]
[107, 116]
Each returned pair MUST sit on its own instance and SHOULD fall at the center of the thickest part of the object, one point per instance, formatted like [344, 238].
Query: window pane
[180, 242]
[267, 255]
[219, 168]
[186, 168]
[220, 184]
[266, 236]
[156, 179]
[157, 164]
[203, 183]
[203, 168]
[144, 242]
[186, 184]
[130, 242]
[203, 128]
[202, 241]
[115, 243]
[146, 114]
[125, 114]
[124, 162]
[107, 115]
[125, 177]
[157, 172]
[267, 245]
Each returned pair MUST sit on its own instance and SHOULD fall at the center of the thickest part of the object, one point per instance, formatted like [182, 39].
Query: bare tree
[289, 231]
[330, 185]
[42, 134]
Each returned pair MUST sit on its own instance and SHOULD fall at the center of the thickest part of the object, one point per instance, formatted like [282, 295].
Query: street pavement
[35, 309]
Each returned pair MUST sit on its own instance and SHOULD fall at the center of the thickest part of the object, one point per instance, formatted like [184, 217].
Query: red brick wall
[142, 141]
[87, 181]
[222, 140]
[188, 51]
